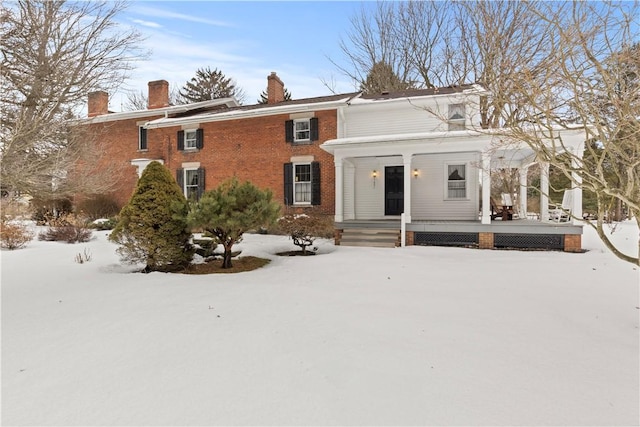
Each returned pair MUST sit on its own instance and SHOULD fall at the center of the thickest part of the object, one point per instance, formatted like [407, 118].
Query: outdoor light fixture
[416, 173]
[374, 174]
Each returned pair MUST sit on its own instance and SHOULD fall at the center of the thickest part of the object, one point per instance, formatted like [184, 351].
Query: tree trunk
[226, 258]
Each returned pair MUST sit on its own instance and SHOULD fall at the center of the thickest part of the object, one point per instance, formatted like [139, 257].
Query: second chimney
[158, 94]
[98, 103]
[275, 89]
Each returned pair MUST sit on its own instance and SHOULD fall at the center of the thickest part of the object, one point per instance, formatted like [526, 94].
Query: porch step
[370, 237]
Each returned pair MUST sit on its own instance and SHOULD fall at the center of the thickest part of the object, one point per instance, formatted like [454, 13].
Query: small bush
[81, 258]
[68, 228]
[305, 229]
[98, 206]
[14, 235]
[103, 224]
[47, 210]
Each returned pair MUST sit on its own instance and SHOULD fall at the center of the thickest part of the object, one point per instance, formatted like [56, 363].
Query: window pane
[190, 139]
[303, 173]
[302, 130]
[456, 183]
[303, 192]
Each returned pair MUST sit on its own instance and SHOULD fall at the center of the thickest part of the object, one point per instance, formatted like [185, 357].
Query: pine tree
[152, 227]
[210, 84]
[264, 97]
[232, 209]
[382, 78]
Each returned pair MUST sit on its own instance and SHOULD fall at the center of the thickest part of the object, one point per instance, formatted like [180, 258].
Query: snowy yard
[354, 336]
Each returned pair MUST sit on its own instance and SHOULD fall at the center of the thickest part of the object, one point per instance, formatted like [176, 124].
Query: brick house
[411, 167]
[274, 145]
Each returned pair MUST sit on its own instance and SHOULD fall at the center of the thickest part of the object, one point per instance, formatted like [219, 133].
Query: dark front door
[393, 190]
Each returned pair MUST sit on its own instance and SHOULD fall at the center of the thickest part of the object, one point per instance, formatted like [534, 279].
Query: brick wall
[251, 149]
[572, 243]
[485, 240]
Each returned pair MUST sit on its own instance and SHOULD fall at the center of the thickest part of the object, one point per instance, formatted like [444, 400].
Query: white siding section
[401, 116]
[369, 192]
[428, 190]
[348, 191]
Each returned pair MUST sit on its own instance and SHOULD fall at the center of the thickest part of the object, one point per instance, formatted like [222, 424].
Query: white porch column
[407, 187]
[576, 188]
[339, 190]
[523, 191]
[486, 188]
[544, 191]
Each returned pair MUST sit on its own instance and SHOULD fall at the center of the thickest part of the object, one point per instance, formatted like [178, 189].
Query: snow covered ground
[354, 336]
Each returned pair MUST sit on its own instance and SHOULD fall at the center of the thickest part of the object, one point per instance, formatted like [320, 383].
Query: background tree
[232, 209]
[53, 54]
[264, 98]
[152, 228]
[210, 84]
[140, 100]
[381, 78]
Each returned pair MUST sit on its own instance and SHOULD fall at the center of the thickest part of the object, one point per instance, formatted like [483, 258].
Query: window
[302, 183]
[456, 117]
[142, 138]
[456, 181]
[190, 139]
[191, 181]
[301, 131]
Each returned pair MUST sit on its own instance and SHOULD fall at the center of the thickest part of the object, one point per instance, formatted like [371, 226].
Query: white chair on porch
[562, 213]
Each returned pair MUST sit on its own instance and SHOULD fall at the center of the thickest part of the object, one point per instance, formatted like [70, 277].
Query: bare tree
[593, 85]
[140, 100]
[548, 66]
[53, 54]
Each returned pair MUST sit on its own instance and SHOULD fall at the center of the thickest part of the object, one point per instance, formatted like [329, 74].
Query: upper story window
[142, 138]
[190, 139]
[456, 181]
[456, 117]
[301, 131]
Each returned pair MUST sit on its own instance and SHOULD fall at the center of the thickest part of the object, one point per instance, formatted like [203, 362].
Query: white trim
[446, 197]
[195, 139]
[184, 181]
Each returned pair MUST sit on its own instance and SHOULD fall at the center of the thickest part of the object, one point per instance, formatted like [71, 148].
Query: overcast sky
[246, 40]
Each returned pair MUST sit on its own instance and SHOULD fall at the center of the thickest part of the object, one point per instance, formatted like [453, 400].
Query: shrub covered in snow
[152, 228]
[305, 229]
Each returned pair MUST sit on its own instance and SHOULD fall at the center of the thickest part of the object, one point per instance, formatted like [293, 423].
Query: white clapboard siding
[429, 200]
[400, 117]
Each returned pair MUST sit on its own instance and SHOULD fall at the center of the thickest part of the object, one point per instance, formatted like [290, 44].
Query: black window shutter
[288, 184]
[200, 182]
[199, 139]
[180, 179]
[143, 139]
[313, 127]
[288, 131]
[180, 140]
[315, 183]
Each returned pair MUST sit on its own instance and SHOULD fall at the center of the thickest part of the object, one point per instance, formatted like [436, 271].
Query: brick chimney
[98, 103]
[275, 89]
[158, 94]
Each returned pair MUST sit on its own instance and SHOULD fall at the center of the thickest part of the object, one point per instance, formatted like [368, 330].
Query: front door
[393, 190]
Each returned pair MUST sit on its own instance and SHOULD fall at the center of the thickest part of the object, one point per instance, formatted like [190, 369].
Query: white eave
[240, 113]
[165, 111]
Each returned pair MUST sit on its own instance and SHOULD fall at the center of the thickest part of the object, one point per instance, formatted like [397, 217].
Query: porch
[517, 233]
